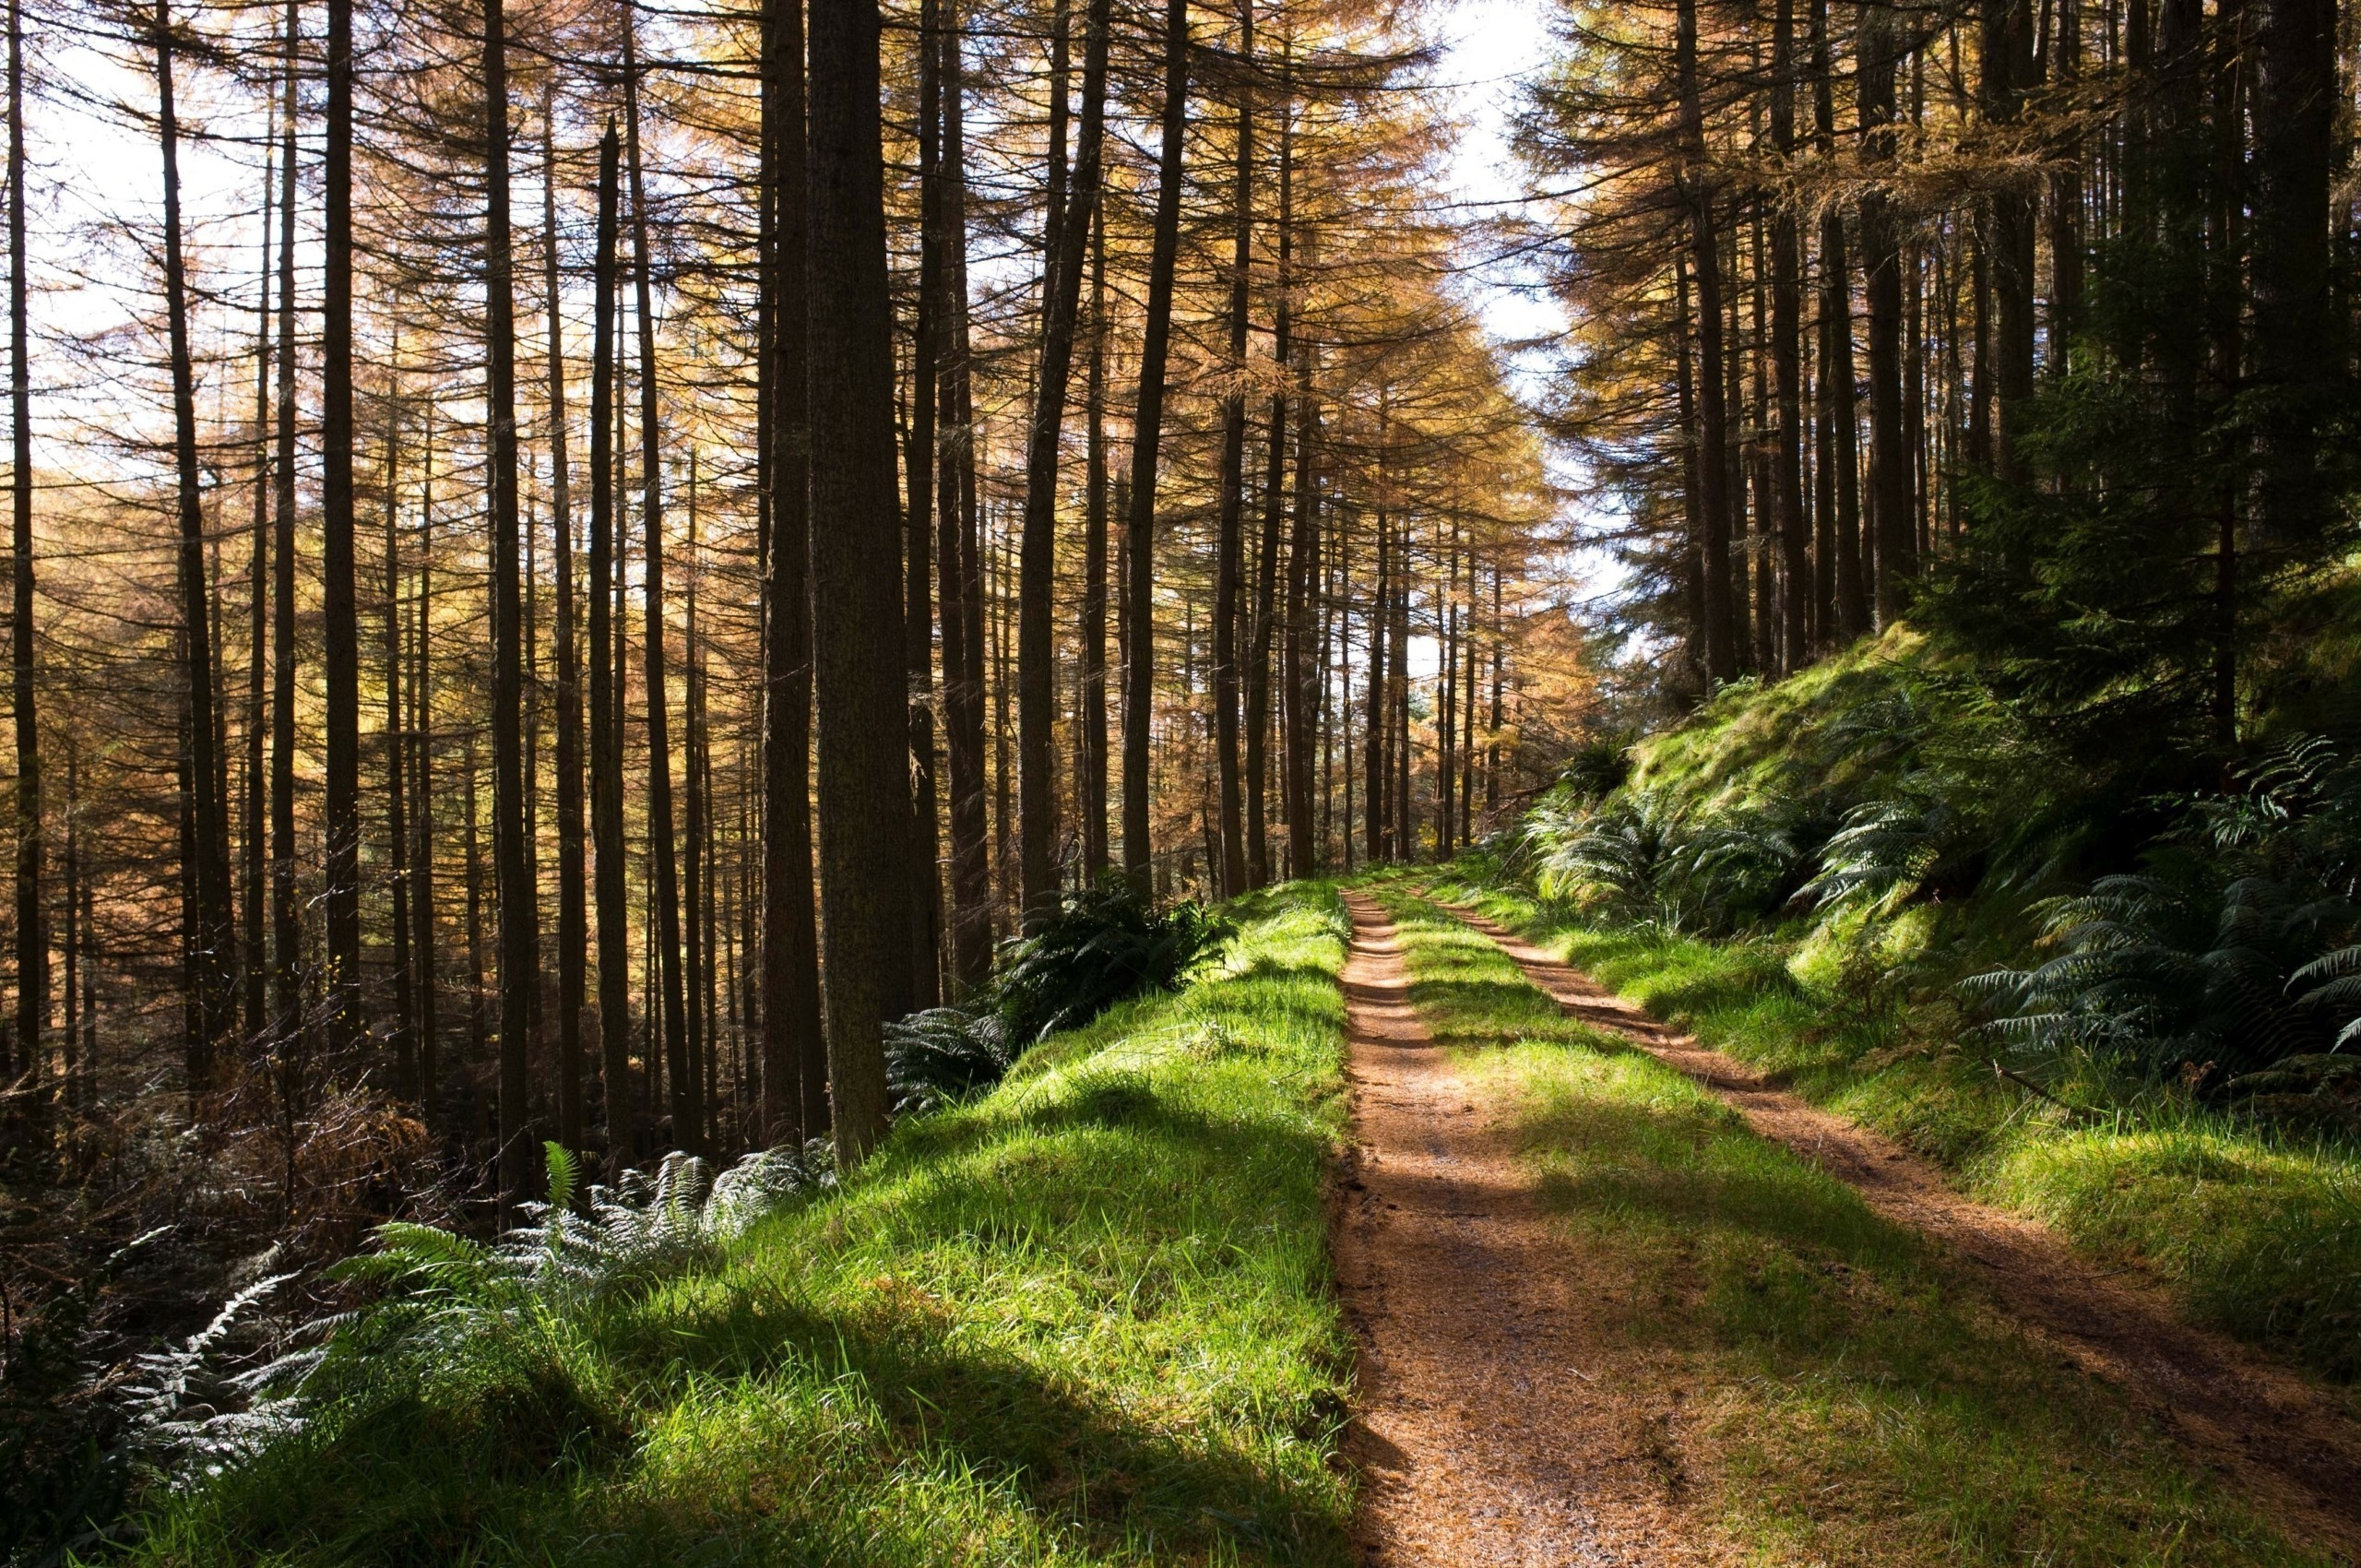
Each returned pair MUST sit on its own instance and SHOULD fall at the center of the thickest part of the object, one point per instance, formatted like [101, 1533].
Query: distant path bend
[1497, 1424]
[2288, 1444]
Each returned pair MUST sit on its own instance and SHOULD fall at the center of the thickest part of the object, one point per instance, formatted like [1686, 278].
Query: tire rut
[2282, 1439]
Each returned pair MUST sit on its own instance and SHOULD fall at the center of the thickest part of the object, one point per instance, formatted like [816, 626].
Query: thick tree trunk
[2297, 349]
[606, 736]
[1147, 429]
[864, 797]
[1061, 302]
[794, 1104]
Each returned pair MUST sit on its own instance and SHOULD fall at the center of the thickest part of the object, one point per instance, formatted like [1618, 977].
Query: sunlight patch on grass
[1086, 1319]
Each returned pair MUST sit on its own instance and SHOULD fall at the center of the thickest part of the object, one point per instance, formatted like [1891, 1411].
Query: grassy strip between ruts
[1841, 1396]
[2259, 1233]
[1085, 1319]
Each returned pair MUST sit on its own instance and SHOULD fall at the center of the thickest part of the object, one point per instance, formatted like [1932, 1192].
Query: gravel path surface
[1498, 1424]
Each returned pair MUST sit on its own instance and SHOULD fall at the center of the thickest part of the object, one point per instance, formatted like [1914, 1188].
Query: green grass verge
[2258, 1232]
[1086, 1319]
[1849, 1399]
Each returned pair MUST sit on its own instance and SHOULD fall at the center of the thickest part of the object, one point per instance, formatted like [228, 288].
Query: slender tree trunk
[340, 607]
[855, 574]
[1090, 777]
[33, 942]
[606, 735]
[918, 545]
[794, 1054]
[519, 964]
[693, 831]
[1787, 356]
[256, 956]
[1035, 678]
[662, 845]
[2066, 198]
[1712, 445]
[1896, 529]
[1147, 430]
[1266, 574]
[405, 1040]
[2005, 71]
[956, 547]
[573, 903]
[286, 912]
[211, 935]
[1228, 545]
[1851, 595]
[421, 732]
[1307, 677]
[1380, 623]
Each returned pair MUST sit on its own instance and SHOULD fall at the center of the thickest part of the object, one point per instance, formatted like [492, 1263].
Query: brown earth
[1500, 1423]
[2279, 1440]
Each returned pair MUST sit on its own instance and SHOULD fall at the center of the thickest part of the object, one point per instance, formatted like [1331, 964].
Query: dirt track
[2287, 1445]
[1497, 1427]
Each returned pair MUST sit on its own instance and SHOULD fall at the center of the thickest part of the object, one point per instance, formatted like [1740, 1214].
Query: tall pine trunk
[1721, 652]
[340, 607]
[1090, 770]
[1787, 360]
[1228, 544]
[606, 734]
[856, 575]
[572, 905]
[33, 942]
[1889, 464]
[1037, 549]
[1147, 432]
[209, 935]
[956, 544]
[794, 1054]
[663, 851]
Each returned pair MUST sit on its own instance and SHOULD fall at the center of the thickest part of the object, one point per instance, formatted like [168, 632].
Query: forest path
[2291, 1448]
[1498, 1424]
